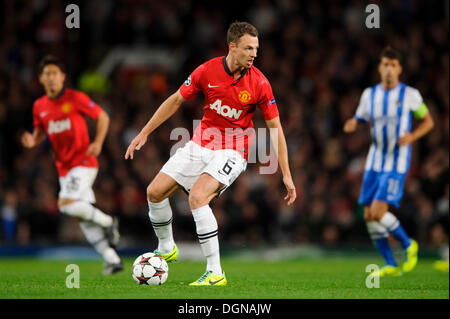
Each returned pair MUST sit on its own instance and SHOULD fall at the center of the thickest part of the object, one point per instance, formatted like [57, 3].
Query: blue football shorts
[382, 186]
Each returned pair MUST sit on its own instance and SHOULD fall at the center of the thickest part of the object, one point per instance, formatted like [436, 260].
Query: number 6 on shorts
[227, 168]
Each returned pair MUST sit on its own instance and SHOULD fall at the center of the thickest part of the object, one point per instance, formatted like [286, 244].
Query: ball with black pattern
[150, 269]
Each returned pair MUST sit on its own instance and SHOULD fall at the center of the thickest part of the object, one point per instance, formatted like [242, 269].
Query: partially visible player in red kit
[59, 115]
[211, 161]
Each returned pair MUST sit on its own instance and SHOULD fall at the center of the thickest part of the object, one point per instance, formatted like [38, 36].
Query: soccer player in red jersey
[217, 153]
[59, 115]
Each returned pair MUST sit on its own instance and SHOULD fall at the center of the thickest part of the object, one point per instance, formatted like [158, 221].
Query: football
[150, 269]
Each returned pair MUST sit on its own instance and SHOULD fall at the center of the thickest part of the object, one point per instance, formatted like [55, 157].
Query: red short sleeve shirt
[62, 119]
[229, 104]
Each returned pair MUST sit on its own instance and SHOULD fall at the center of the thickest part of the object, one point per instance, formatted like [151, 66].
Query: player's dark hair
[238, 29]
[391, 53]
[50, 59]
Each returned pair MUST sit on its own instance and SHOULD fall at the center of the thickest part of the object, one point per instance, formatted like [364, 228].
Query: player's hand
[135, 144]
[28, 140]
[94, 149]
[291, 193]
[350, 125]
[406, 139]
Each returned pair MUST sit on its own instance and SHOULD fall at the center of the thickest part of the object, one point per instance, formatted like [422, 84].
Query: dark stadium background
[130, 55]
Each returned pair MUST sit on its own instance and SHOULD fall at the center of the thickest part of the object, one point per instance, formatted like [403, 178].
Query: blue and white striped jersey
[390, 113]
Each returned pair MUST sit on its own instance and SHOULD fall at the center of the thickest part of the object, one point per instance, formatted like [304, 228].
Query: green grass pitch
[291, 279]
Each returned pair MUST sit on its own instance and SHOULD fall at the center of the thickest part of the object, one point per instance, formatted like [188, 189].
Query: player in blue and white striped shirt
[389, 107]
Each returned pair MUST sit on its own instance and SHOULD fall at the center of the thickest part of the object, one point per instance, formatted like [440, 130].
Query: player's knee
[376, 214]
[367, 214]
[154, 195]
[196, 199]
[63, 202]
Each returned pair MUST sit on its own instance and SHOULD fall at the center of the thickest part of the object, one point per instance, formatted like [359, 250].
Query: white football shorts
[192, 160]
[77, 184]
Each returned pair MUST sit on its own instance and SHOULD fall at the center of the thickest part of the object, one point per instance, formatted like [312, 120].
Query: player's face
[244, 52]
[389, 70]
[52, 78]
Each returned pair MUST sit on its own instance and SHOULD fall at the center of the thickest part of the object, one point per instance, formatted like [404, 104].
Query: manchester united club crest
[66, 108]
[244, 96]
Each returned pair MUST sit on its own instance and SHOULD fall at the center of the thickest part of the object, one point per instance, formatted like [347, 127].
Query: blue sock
[392, 224]
[400, 234]
[384, 249]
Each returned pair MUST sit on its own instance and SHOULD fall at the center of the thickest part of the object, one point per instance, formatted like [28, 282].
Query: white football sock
[376, 230]
[207, 230]
[160, 215]
[87, 212]
[392, 224]
[96, 237]
[389, 221]
[110, 256]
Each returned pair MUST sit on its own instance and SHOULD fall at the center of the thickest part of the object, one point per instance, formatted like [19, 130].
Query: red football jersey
[62, 119]
[229, 104]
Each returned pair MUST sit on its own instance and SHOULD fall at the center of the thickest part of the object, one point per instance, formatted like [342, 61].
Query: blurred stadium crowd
[318, 56]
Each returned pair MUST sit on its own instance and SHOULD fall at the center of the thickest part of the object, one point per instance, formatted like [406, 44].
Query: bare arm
[31, 140]
[102, 129]
[351, 125]
[424, 127]
[279, 141]
[165, 111]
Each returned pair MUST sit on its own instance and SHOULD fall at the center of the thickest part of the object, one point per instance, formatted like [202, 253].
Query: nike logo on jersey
[43, 114]
[225, 110]
[212, 86]
[59, 126]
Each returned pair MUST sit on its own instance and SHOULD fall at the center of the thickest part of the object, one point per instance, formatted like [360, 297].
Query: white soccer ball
[150, 269]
